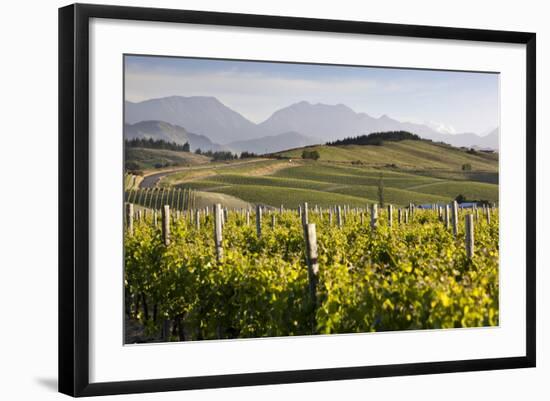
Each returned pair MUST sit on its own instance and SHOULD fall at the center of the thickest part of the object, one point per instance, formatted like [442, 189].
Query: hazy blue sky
[451, 101]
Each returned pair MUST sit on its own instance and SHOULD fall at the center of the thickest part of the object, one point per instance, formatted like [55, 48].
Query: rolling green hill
[410, 171]
[405, 155]
[145, 159]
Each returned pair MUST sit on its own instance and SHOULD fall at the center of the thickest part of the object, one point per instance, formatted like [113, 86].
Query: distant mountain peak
[274, 143]
[208, 116]
[204, 115]
[155, 129]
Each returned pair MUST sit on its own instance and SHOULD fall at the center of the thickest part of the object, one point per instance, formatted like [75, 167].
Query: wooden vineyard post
[447, 216]
[406, 216]
[222, 219]
[469, 220]
[300, 211]
[225, 215]
[390, 216]
[162, 197]
[312, 262]
[166, 224]
[145, 203]
[198, 219]
[477, 214]
[247, 217]
[339, 216]
[373, 216]
[140, 196]
[258, 221]
[273, 221]
[305, 215]
[155, 217]
[488, 215]
[218, 231]
[281, 209]
[399, 216]
[177, 202]
[455, 218]
[330, 216]
[130, 218]
[362, 218]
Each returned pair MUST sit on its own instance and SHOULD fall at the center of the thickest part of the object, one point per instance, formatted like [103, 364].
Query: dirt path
[152, 180]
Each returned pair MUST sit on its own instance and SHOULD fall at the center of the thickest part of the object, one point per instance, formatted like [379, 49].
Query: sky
[450, 101]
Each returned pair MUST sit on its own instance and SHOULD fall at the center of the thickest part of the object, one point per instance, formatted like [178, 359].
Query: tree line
[225, 154]
[376, 138]
[151, 143]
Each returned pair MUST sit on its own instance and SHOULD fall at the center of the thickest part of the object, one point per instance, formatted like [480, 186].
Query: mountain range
[274, 143]
[216, 126]
[170, 133]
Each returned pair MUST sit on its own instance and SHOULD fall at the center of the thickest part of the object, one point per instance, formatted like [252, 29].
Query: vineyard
[212, 273]
[154, 198]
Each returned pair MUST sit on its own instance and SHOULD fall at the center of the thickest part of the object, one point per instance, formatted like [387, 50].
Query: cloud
[252, 94]
[450, 103]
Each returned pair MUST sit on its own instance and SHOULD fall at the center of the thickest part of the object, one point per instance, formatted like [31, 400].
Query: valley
[410, 171]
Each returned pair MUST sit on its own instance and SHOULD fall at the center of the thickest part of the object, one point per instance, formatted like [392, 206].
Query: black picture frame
[74, 200]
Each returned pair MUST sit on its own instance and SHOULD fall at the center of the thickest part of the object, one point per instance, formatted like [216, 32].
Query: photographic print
[269, 199]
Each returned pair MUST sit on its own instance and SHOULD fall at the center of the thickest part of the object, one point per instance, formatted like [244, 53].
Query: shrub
[311, 154]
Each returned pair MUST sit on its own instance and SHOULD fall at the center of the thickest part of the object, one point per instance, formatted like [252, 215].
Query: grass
[411, 171]
[131, 181]
[488, 177]
[203, 199]
[147, 159]
[405, 154]
[245, 167]
[393, 195]
[326, 172]
[471, 190]
[234, 179]
[289, 197]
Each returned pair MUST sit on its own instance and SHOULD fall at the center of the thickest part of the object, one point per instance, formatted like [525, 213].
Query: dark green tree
[311, 154]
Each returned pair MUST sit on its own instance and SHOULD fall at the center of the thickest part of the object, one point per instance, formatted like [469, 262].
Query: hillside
[408, 155]
[200, 114]
[146, 159]
[411, 171]
[416, 171]
[273, 143]
[331, 122]
[160, 130]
